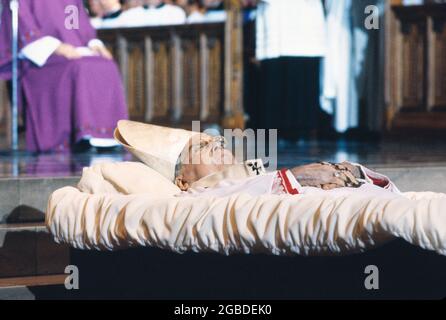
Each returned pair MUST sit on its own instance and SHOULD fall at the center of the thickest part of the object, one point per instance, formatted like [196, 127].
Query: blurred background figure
[290, 42]
[162, 13]
[128, 4]
[249, 9]
[95, 8]
[106, 13]
[215, 10]
[194, 9]
[71, 87]
[353, 66]
[152, 12]
[214, 5]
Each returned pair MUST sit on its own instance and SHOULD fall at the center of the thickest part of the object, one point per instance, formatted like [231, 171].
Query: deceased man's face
[201, 157]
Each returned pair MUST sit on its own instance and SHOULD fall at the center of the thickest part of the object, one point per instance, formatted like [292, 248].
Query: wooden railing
[416, 68]
[172, 74]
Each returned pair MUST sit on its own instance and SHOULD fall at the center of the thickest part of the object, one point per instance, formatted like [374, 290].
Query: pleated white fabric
[110, 211]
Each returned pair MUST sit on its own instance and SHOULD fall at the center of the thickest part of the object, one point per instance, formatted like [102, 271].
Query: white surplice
[140, 16]
[352, 67]
[290, 28]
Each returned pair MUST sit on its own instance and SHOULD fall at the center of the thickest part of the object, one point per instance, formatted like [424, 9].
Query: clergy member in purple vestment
[71, 87]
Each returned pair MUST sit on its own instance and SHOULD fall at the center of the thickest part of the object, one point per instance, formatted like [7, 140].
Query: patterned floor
[384, 154]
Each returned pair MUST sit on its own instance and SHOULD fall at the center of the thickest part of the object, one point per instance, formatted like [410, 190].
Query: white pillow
[125, 178]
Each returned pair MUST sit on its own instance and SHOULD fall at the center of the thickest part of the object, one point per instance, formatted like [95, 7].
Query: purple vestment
[65, 100]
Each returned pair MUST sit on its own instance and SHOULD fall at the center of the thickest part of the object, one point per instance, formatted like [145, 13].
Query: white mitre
[156, 146]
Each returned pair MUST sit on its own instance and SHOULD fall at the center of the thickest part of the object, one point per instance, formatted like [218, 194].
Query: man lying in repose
[200, 165]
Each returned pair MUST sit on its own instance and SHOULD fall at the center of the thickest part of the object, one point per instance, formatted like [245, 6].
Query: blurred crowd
[133, 13]
[313, 59]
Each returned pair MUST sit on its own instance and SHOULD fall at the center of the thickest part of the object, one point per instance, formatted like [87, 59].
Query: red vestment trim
[282, 174]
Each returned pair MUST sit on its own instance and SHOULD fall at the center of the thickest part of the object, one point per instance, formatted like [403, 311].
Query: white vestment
[196, 17]
[352, 66]
[208, 17]
[251, 178]
[140, 17]
[290, 28]
[215, 16]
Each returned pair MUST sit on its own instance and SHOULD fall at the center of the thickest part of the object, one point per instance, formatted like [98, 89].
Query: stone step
[33, 288]
[16, 293]
[25, 199]
[28, 255]
[417, 178]
[33, 281]
[28, 250]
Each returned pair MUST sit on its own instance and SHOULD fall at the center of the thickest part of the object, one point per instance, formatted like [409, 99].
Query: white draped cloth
[352, 68]
[120, 205]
